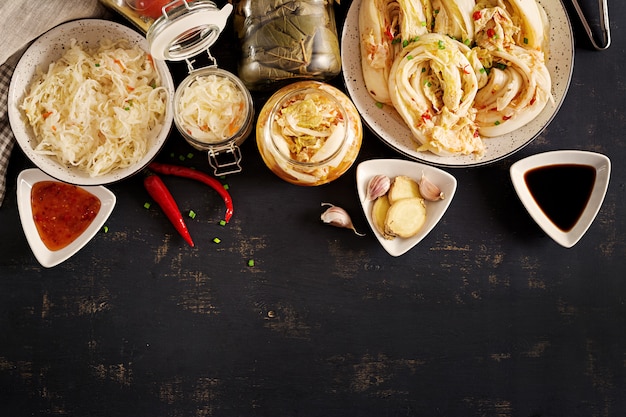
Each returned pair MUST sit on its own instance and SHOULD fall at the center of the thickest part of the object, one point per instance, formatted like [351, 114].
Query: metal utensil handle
[604, 24]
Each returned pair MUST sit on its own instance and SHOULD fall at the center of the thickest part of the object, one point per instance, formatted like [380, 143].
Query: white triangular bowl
[602, 165]
[395, 167]
[45, 256]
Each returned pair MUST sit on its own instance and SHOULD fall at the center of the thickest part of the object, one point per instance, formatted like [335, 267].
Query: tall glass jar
[309, 133]
[286, 40]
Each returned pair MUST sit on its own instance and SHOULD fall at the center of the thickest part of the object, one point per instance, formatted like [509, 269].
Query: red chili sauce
[62, 212]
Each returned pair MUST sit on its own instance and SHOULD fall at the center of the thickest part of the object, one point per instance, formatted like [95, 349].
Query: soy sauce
[562, 191]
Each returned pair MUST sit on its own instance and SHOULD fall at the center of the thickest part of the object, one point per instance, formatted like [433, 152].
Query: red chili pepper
[206, 179]
[159, 193]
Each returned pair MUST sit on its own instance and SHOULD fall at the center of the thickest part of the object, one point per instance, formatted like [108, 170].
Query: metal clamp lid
[229, 162]
[186, 29]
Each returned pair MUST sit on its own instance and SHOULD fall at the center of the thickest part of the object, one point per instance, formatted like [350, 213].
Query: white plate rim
[414, 169]
[49, 47]
[600, 162]
[47, 258]
[387, 125]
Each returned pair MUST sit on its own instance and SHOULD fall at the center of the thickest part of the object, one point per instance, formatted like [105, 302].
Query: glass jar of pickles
[213, 110]
[283, 41]
[309, 133]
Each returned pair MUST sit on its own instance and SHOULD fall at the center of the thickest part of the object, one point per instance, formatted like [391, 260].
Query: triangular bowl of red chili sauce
[562, 191]
[58, 218]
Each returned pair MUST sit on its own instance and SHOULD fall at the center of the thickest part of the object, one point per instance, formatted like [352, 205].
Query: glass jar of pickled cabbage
[309, 133]
[283, 41]
[213, 110]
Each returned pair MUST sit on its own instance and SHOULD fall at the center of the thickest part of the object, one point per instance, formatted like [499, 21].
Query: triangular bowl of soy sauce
[562, 191]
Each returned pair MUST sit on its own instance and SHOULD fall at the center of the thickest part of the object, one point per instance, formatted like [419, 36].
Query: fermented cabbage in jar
[309, 133]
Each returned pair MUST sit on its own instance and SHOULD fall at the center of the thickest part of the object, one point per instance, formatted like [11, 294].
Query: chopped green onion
[379, 104]
[105, 229]
[192, 214]
[189, 155]
[497, 122]
[146, 205]
[441, 45]
[526, 41]
[409, 57]
[97, 65]
[405, 43]
[222, 222]
[181, 157]
[251, 262]
[217, 240]
[226, 186]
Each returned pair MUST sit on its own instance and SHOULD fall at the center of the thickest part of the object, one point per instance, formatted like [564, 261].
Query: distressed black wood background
[487, 316]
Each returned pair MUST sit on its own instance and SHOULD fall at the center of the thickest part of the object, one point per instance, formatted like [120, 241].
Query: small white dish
[47, 258]
[585, 207]
[49, 48]
[393, 168]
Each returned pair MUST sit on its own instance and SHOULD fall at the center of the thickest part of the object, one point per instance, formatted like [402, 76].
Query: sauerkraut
[211, 108]
[97, 107]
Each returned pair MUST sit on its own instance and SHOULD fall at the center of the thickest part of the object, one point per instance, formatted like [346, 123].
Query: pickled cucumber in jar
[286, 40]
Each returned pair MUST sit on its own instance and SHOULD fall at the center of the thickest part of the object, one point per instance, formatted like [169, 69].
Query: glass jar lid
[186, 29]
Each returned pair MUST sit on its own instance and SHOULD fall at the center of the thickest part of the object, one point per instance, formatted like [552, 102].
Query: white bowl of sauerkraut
[87, 103]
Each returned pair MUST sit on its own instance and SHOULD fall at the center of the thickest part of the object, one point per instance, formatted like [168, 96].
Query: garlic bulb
[377, 186]
[338, 217]
[429, 191]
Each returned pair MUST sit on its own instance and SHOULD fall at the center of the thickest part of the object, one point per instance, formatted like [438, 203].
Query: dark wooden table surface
[487, 316]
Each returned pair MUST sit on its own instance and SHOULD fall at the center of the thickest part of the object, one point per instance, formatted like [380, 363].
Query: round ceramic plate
[391, 129]
[50, 47]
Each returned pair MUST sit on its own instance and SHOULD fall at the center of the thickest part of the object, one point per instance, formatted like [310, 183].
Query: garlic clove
[338, 217]
[430, 191]
[377, 186]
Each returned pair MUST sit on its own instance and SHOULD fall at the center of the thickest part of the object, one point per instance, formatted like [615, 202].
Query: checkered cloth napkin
[6, 136]
[23, 21]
